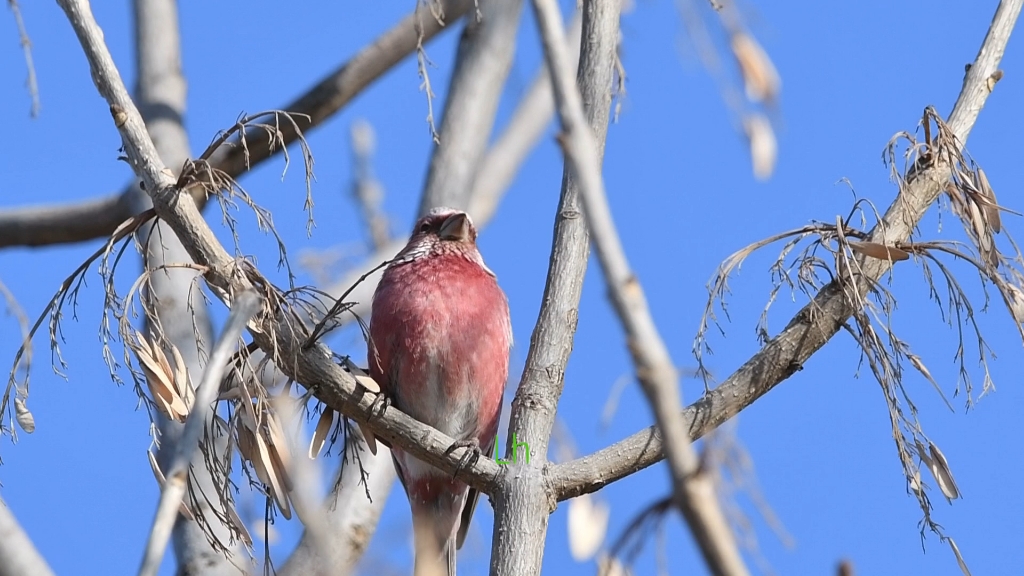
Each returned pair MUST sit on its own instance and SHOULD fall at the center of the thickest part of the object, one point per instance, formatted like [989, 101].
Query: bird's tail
[433, 557]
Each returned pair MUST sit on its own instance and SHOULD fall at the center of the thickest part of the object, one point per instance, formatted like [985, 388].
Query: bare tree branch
[481, 67]
[274, 331]
[245, 305]
[18, 556]
[694, 492]
[816, 322]
[94, 218]
[521, 508]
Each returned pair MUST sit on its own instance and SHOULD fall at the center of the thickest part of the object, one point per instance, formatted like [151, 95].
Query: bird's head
[442, 231]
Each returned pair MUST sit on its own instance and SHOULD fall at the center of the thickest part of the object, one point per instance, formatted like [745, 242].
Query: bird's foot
[469, 457]
[379, 405]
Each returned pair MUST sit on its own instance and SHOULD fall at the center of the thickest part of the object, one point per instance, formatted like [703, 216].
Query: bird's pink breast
[440, 333]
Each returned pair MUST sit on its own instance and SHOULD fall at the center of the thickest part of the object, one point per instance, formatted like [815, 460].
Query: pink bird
[440, 335]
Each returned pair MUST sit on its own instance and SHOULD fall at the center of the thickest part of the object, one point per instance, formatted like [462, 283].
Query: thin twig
[26, 46]
[245, 306]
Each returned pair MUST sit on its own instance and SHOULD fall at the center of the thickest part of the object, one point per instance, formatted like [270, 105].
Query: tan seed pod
[160, 379]
[279, 452]
[23, 417]
[588, 524]
[320, 433]
[265, 464]
[990, 203]
[943, 475]
[879, 251]
[367, 382]
[760, 78]
[182, 381]
[763, 146]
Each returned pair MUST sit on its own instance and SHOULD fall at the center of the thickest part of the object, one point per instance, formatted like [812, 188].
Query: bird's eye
[424, 227]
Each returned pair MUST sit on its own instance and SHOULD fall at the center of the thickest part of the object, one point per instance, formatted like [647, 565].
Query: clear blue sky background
[681, 187]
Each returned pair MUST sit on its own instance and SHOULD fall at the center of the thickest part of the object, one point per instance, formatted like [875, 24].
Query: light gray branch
[65, 223]
[693, 492]
[522, 507]
[350, 518]
[482, 63]
[180, 311]
[18, 556]
[245, 306]
[816, 322]
[274, 332]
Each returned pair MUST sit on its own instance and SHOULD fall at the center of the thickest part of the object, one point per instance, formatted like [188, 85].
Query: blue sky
[682, 191]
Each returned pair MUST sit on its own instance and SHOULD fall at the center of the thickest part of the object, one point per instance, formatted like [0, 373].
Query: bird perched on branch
[440, 335]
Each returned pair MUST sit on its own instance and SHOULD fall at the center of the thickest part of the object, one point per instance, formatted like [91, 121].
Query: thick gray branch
[818, 321]
[65, 223]
[18, 556]
[522, 508]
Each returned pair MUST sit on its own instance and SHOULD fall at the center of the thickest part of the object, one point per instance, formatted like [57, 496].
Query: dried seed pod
[160, 379]
[323, 428]
[763, 146]
[943, 475]
[879, 251]
[367, 382]
[588, 524]
[760, 78]
[989, 204]
[23, 416]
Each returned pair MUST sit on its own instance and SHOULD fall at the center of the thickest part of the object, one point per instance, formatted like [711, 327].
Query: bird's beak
[456, 227]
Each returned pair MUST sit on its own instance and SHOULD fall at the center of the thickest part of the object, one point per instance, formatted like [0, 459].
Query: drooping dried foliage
[821, 253]
[247, 417]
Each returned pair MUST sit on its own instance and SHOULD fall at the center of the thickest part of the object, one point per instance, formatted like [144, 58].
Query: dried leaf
[23, 416]
[879, 251]
[943, 475]
[588, 524]
[760, 78]
[763, 146]
[323, 428]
